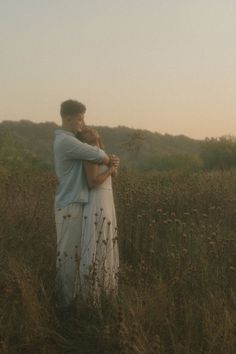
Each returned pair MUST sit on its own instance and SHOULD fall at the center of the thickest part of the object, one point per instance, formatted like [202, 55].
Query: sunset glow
[163, 65]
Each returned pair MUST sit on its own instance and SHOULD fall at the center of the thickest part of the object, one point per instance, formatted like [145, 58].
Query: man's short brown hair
[72, 108]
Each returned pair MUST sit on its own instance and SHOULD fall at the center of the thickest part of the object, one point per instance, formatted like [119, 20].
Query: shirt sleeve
[75, 149]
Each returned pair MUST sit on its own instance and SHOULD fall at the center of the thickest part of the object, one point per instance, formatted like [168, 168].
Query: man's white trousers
[69, 230]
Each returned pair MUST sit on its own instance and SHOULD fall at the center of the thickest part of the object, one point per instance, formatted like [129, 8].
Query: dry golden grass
[177, 284]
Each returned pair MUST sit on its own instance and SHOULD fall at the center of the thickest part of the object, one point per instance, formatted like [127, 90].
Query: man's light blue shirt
[68, 155]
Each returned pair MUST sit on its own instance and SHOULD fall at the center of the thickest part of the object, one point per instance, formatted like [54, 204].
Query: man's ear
[67, 119]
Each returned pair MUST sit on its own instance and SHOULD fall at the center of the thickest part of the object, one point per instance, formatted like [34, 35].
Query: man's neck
[67, 128]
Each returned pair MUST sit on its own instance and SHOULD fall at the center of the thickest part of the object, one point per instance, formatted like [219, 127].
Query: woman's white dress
[99, 262]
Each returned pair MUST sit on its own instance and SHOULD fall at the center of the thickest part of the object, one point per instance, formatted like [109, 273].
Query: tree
[134, 142]
[219, 153]
[13, 152]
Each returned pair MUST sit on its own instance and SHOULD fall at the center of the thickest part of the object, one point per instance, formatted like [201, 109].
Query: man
[71, 194]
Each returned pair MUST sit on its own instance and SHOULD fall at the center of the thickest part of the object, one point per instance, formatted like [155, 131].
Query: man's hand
[111, 160]
[114, 161]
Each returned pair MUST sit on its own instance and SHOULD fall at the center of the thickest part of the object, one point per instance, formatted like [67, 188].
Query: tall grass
[177, 282]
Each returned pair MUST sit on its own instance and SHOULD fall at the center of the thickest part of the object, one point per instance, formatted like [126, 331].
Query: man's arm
[111, 160]
[72, 148]
[106, 160]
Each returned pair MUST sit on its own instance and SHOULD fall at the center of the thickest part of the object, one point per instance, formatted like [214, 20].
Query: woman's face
[91, 138]
[98, 142]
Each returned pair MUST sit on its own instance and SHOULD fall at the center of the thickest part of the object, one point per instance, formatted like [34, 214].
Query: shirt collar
[65, 132]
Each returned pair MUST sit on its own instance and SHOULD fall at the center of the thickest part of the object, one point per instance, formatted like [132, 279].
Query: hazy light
[167, 66]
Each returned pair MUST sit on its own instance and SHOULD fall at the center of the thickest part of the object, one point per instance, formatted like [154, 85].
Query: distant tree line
[219, 153]
[25, 144]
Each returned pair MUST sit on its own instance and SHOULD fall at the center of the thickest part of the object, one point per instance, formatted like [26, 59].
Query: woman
[99, 262]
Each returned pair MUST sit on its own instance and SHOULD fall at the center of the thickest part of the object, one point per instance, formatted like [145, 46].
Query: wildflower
[8, 291]
[186, 213]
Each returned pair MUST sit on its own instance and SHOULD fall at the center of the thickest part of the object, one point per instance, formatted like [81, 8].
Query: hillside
[137, 148]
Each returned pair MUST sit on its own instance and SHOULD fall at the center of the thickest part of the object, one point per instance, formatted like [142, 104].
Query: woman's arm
[114, 173]
[91, 171]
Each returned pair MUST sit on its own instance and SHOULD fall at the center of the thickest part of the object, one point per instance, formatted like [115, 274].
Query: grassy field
[177, 292]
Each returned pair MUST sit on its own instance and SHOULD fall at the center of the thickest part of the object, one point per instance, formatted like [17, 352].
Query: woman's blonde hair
[89, 136]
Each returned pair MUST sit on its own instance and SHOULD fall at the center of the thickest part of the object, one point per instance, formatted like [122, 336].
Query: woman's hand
[113, 169]
[114, 160]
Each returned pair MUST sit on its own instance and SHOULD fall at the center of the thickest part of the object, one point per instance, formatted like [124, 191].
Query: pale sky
[163, 65]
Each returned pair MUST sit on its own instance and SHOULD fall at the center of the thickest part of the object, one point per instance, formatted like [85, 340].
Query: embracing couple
[87, 244]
